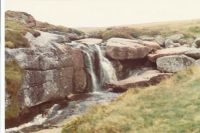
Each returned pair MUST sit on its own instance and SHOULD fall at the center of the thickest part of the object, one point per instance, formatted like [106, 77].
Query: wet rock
[118, 68]
[168, 51]
[122, 49]
[53, 110]
[149, 77]
[174, 63]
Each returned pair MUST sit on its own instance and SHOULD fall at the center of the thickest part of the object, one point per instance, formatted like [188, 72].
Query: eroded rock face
[174, 63]
[123, 49]
[149, 77]
[51, 71]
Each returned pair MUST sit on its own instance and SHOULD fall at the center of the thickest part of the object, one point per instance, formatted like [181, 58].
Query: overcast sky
[92, 13]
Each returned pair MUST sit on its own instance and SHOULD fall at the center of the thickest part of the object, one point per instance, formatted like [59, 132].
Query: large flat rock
[150, 77]
[123, 49]
[168, 51]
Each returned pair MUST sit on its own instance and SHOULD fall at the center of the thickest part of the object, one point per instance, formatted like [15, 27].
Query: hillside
[173, 106]
[190, 28]
[171, 24]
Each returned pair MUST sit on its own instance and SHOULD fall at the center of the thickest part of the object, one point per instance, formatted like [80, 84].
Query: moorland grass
[15, 35]
[173, 106]
[190, 29]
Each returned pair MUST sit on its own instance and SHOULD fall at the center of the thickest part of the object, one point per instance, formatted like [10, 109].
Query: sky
[101, 13]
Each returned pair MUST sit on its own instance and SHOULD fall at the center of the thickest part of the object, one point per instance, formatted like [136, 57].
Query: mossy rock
[13, 76]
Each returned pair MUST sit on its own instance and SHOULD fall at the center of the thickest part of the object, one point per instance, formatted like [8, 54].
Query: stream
[100, 70]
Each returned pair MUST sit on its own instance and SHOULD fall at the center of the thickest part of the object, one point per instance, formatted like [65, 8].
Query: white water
[108, 73]
[95, 85]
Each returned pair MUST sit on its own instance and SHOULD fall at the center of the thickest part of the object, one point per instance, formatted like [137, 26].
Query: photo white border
[2, 69]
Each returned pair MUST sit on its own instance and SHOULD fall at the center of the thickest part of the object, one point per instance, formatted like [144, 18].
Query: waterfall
[107, 71]
[90, 68]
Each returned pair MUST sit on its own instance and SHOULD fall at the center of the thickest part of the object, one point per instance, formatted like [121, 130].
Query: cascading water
[107, 71]
[89, 53]
[95, 85]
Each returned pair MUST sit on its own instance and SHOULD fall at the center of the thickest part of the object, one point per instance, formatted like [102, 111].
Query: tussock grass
[14, 35]
[173, 106]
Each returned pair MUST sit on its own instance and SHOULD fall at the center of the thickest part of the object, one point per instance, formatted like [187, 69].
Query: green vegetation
[190, 29]
[173, 106]
[194, 29]
[119, 32]
[123, 32]
[52, 28]
[13, 84]
[15, 32]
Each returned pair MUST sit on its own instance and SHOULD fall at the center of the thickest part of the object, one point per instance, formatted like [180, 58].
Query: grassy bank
[173, 106]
